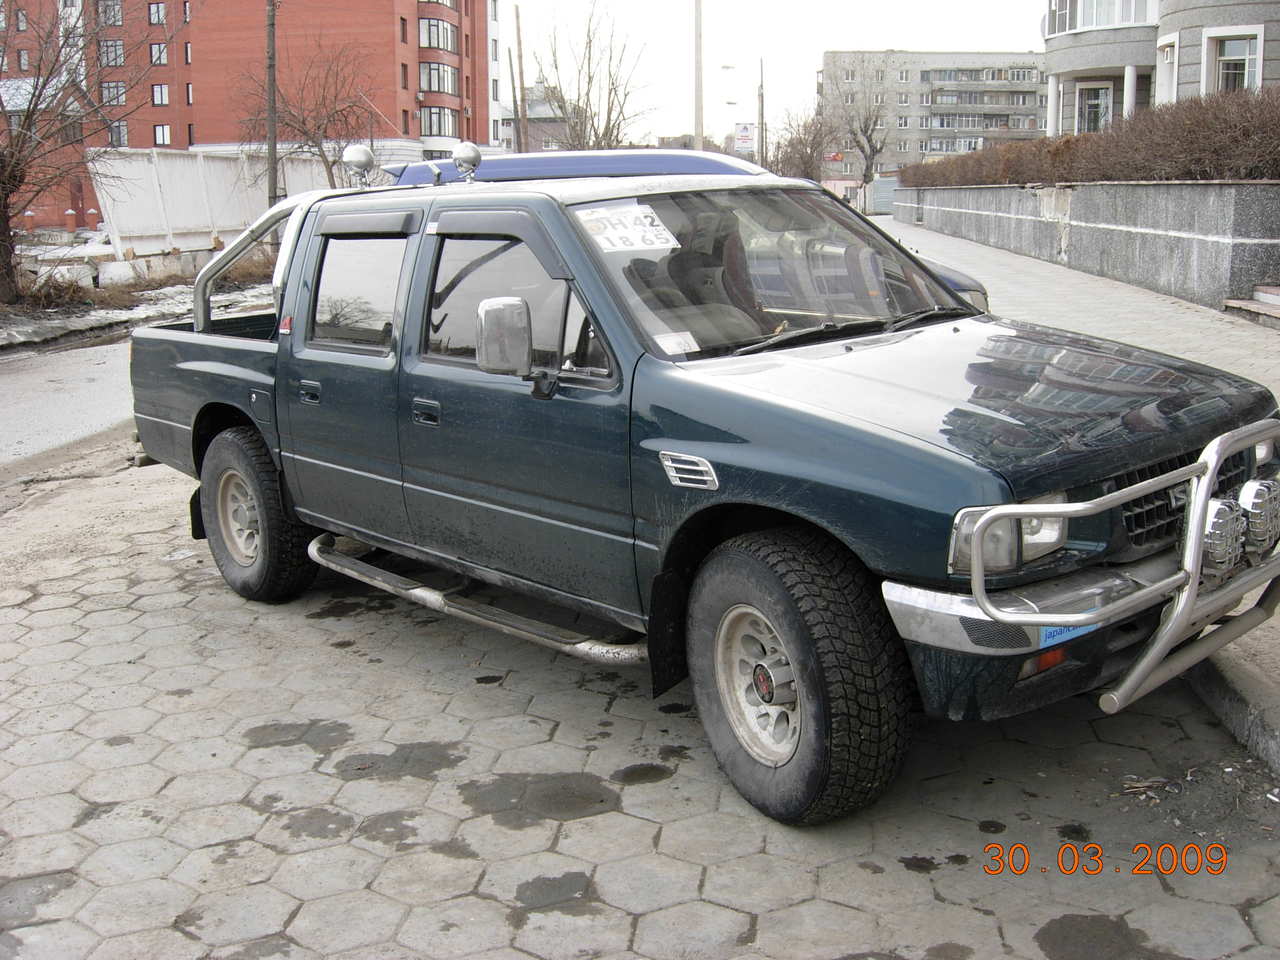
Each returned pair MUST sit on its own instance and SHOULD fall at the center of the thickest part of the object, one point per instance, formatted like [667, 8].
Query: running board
[592, 649]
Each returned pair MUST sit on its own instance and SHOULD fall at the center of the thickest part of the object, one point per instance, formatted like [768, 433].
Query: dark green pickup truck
[743, 436]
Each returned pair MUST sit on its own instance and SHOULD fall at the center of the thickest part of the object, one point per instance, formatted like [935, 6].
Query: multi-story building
[431, 68]
[1101, 54]
[927, 105]
[548, 129]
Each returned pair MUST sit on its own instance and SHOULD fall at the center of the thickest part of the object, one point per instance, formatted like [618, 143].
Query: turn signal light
[1045, 661]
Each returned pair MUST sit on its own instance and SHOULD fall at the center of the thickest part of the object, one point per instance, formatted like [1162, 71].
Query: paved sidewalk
[184, 775]
[1241, 683]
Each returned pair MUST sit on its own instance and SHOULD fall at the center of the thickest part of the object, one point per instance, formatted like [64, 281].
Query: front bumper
[986, 636]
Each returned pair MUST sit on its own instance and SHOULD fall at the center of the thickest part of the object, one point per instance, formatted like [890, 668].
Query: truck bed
[182, 379]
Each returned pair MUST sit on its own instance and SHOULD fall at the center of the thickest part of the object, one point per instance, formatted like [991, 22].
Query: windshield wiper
[826, 331]
[936, 312]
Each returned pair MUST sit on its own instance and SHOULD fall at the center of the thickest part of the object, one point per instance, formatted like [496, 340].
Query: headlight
[977, 298]
[1007, 541]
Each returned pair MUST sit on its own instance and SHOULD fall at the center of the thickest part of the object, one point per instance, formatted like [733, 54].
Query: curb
[68, 333]
[1247, 703]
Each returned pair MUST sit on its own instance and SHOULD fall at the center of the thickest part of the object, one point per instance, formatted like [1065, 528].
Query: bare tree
[65, 94]
[589, 85]
[858, 111]
[802, 147]
[323, 102]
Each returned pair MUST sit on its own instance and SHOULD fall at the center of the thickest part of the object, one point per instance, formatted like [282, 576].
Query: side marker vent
[686, 471]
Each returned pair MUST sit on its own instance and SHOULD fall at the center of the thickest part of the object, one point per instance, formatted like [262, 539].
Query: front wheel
[259, 549]
[800, 679]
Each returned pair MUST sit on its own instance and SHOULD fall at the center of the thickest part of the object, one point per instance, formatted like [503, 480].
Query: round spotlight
[1260, 501]
[1223, 540]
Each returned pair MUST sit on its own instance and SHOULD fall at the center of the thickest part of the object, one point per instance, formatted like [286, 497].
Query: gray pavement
[184, 774]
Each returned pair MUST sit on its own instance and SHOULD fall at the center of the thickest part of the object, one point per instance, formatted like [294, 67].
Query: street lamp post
[697, 75]
[273, 186]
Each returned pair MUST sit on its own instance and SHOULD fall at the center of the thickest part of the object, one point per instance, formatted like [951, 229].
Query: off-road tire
[850, 668]
[281, 569]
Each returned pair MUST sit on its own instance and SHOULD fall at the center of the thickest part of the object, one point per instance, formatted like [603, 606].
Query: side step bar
[592, 649]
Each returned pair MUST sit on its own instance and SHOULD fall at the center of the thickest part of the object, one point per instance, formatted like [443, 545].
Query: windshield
[709, 272]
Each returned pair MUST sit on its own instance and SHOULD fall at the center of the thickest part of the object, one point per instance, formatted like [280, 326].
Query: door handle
[309, 391]
[426, 413]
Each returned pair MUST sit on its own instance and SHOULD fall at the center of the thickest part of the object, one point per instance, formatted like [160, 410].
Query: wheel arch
[693, 541]
[212, 419]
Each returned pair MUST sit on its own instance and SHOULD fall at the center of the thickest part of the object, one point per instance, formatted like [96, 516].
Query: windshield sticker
[632, 228]
[674, 343]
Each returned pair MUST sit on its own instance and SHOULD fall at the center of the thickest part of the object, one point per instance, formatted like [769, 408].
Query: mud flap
[667, 660]
[197, 518]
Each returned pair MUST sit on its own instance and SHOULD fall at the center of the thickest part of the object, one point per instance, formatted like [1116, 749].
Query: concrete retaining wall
[1201, 241]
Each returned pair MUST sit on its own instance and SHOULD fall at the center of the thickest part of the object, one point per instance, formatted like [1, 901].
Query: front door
[339, 381]
[494, 474]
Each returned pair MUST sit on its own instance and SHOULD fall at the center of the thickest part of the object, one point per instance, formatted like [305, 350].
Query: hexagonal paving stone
[120, 751]
[207, 788]
[427, 876]
[370, 797]
[192, 756]
[44, 779]
[1191, 929]
[712, 837]
[36, 815]
[226, 866]
[131, 860]
[759, 883]
[45, 748]
[168, 944]
[52, 941]
[646, 883]
[53, 896]
[49, 853]
[874, 883]
[1247, 878]
[399, 831]
[308, 828]
[230, 916]
[219, 824]
[938, 929]
[670, 799]
[497, 837]
[568, 932]
[325, 872]
[607, 836]
[346, 921]
[458, 927]
[1266, 921]
[694, 930]
[280, 947]
[62, 716]
[816, 930]
[125, 721]
[281, 794]
[1137, 730]
[538, 880]
[108, 823]
[135, 906]
[504, 733]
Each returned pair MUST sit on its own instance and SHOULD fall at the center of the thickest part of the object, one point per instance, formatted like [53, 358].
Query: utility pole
[760, 135]
[697, 74]
[515, 105]
[273, 186]
[522, 109]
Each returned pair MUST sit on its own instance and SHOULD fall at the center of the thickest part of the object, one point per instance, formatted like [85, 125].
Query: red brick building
[432, 64]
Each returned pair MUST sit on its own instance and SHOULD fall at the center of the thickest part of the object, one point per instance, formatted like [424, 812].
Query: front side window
[358, 291]
[438, 34]
[1237, 63]
[472, 270]
[707, 272]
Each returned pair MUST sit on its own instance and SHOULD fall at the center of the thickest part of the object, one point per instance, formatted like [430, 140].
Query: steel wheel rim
[757, 686]
[238, 518]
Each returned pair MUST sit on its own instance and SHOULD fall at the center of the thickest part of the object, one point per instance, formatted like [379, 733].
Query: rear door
[495, 475]
[340, 368]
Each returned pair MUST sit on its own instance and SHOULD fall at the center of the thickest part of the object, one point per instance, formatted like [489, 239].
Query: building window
[904, 146]
[113, 93]
[1093, 107]
[111, 53]
[878, 99]
[495, 138]
[904, 122]
[438, 35]
[850, 76]
[186, 52]
[1020, 99]
[118, 133]
[191, 134]
[111, 13]
[493, 49]
[404, 30]
[404, 122]
[190, 95]
[21, 19]
[1236, 63]
[439, 122]
[926, 99]
[438, 78]
[848, 99]
[1023, 76]
[186, 11]
[404, 76]
[155, 13]
[879, 123]
[24, 60]
[904, 99]
[159, 94]
[924, 122]
[879, 76]
[163, 134]
[850, 168]
[159, 54]
[495, 92]
[493, 13]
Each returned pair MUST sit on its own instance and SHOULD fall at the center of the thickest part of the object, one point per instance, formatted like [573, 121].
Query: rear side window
[472, 270]
[358, 291]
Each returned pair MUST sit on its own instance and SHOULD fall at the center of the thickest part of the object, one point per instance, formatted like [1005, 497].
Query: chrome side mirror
[504, 336]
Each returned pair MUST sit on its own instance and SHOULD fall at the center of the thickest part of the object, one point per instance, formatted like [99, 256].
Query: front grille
[1156, 519]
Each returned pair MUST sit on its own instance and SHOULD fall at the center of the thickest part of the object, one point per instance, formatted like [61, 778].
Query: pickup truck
[732, 430]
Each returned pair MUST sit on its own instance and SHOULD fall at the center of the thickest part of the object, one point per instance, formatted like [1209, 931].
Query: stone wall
[1201, 241]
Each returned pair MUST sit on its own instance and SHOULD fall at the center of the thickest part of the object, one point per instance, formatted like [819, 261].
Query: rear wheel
[259, 549]
[801, 681]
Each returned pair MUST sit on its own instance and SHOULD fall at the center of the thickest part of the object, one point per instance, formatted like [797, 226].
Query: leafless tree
[801, 148]
[858, 112]
[590, 85]
[68, 80]
[323, 102]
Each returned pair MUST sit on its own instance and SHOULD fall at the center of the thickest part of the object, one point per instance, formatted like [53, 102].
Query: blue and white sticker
[1052, 636]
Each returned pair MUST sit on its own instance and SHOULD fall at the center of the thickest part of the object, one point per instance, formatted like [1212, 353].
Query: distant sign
[744, 138]
[834, 157]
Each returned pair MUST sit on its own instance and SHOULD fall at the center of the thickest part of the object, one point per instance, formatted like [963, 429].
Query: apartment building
[1112, 57]
[432, 67]
[928, 105]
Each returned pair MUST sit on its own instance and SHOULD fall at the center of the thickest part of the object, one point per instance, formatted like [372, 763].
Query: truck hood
[1046, 409]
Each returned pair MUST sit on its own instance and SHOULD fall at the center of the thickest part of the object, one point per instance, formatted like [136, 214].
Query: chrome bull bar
[1187, 609]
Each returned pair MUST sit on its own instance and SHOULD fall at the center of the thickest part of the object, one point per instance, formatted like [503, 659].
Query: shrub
[1227, 136]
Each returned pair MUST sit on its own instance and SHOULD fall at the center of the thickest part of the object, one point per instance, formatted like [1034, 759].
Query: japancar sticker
[631, 228]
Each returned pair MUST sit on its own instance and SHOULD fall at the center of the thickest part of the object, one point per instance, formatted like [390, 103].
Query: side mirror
[504, 336]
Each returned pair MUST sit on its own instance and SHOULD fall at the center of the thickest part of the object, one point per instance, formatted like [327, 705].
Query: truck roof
[573, 164]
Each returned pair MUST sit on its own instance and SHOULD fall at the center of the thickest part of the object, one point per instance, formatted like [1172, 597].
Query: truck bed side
[183, 380]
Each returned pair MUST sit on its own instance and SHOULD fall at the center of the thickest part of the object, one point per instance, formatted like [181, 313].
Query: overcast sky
[791, 38]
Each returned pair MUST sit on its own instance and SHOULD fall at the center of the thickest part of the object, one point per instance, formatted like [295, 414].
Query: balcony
[1073, 16]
